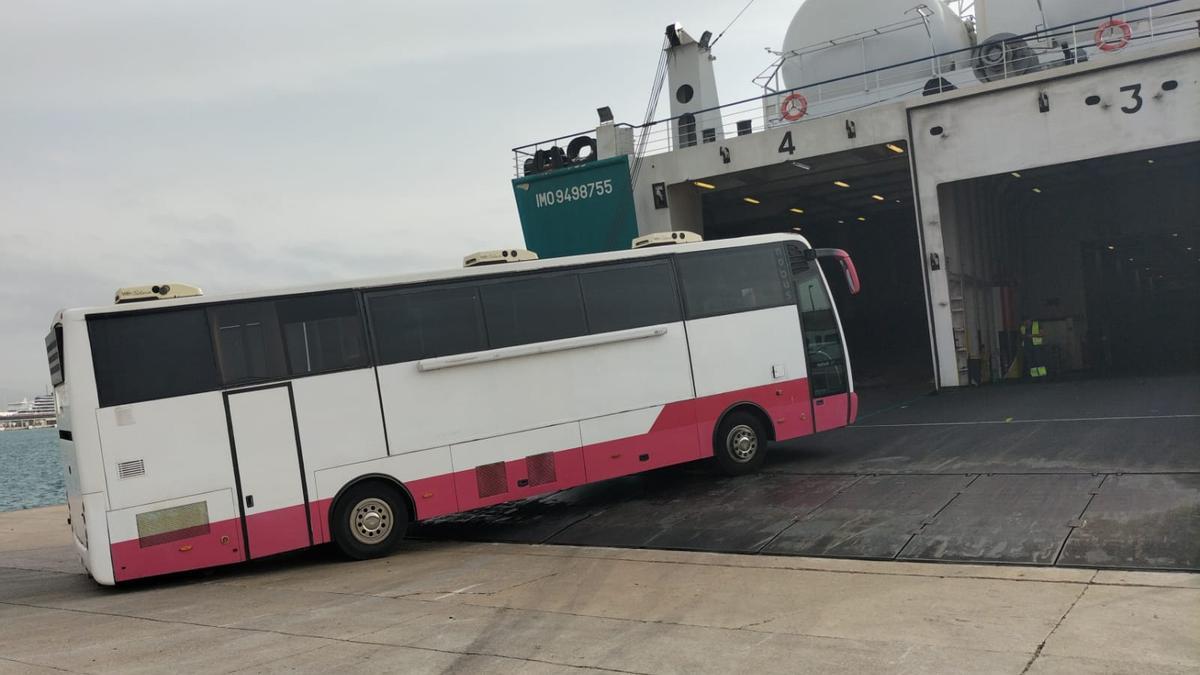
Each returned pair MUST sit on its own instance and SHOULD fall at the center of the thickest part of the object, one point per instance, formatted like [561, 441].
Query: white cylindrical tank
[828, 39]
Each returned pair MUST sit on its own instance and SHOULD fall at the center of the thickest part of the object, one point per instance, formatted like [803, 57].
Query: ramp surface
[1101, 473]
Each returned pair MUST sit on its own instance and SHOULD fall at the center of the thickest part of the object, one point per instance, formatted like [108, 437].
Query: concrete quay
[502, 608]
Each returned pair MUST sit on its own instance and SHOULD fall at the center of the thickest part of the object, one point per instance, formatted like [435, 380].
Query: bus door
[828, 372]
[269, 469]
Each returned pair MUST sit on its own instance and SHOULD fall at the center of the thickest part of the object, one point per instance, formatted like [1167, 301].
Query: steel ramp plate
[707, 513]
[1036, 475]
[873, 518]
[1145, 521]
[1165, 444]
[1009, 519]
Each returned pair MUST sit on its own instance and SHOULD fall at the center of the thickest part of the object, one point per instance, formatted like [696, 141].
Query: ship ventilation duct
[1004, 55]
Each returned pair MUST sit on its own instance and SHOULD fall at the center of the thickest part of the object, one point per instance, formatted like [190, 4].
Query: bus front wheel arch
[370, 517]
[740, 440]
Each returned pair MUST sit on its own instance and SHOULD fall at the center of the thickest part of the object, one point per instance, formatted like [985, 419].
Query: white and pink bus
[204, 431]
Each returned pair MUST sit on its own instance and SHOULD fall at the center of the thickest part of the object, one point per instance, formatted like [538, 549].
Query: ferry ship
[42, 411]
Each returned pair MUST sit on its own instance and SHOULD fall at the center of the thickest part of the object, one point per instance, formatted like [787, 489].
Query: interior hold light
[1174, 234]
[841, 222]
[1111, 247]
[795, 229]
[895, 148]
[750, 200]
[861, 219]
[1131, 260]
[794, 210]
[877, 198]
[1149, 161]
[898, 201]
[841, 183]
[702, 184]
[1038, 190]
[1016, 174]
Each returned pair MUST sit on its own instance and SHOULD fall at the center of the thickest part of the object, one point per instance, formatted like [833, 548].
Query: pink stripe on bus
[682, 432]
[221, 546]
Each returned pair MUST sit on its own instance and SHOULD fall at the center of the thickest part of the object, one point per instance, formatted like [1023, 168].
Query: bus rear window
[138, 357]
[54, 355]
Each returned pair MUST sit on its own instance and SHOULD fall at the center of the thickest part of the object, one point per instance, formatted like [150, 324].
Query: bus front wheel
[369, 520]
[740, 443]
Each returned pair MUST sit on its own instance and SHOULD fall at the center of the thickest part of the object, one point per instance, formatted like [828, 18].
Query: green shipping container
[579, 209]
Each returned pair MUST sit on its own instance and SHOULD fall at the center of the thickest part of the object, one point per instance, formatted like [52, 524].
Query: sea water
[31, 473]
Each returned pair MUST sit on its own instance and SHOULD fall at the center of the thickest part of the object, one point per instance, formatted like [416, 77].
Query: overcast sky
[244, 145]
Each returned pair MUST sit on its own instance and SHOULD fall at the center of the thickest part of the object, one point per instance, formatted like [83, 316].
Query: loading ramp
[1091, 473]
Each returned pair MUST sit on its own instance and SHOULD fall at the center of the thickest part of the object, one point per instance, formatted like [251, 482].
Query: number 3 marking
[1136, 94]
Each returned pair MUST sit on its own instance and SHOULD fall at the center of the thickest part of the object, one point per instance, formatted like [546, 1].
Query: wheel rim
[371, 520]
[741, 443]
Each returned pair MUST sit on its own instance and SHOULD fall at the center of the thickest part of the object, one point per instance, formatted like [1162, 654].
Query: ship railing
[1097, 38]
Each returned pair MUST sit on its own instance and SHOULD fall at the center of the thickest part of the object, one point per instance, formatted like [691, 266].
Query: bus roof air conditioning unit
[496, 257]
[155, 292]
[1004, 55]
[665, 238]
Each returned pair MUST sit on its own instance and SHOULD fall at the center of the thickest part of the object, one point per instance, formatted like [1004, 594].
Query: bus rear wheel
[740, 443]
[369, 520]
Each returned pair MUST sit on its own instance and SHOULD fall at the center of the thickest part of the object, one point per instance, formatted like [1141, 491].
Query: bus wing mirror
[847, 264]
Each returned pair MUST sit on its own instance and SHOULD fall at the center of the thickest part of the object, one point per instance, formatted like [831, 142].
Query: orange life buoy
[1105, 45]
[793, 107]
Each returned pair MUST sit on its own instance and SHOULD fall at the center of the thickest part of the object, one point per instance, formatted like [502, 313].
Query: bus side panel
[752, 357]
[182, 444]
[629, 442]
[154, 451]
[176, 535]
[428, 476]
[515, 466]
[340, 423]
[832, 412]
[485, 400]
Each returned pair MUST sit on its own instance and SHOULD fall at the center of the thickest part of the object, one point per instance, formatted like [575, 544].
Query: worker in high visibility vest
[1031, 346]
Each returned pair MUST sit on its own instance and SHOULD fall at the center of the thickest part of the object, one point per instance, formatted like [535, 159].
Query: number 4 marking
[1136, 94]
[786, 145]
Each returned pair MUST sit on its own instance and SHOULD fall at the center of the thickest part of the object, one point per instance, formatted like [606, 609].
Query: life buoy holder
[794, 107]
[1107, 46]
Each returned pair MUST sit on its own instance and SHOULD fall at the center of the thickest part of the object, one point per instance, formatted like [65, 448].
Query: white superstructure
[1035, 160]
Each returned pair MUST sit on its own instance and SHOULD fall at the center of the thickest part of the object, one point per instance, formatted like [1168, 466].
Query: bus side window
[422, 323]
[822, 339]
[140, 357]
[322, 333]
[525, 310]
[733, 280]
[248, 344]
[619, 297]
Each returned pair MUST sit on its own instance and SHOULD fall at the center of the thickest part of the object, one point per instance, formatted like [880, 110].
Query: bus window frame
[204, 308]
[500, 277]
[778, 248]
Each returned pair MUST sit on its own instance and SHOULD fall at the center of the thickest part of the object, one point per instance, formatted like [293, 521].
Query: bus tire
[369, 520]
[740, 443]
